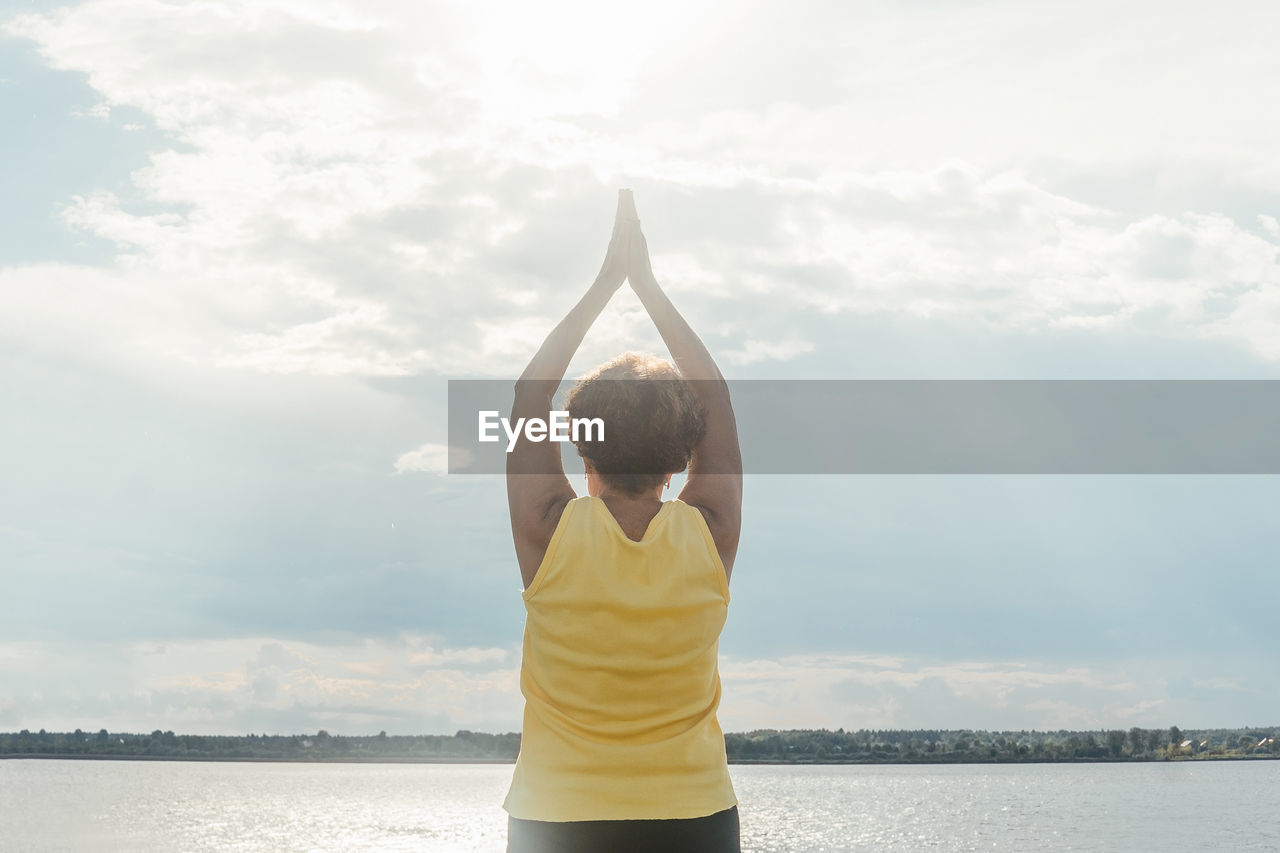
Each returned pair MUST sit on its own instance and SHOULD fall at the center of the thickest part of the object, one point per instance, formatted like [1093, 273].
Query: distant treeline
[802, 746]
[901, 746]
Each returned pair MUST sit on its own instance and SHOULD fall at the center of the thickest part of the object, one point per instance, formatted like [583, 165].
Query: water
[195, 806]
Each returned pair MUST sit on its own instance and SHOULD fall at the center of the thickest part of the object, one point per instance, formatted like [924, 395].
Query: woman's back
[620, 672]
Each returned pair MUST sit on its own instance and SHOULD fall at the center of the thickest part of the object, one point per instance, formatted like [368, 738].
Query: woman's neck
[654, 496]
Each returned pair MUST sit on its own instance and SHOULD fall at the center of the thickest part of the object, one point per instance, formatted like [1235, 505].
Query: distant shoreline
[259, 760]
[761, 746]
[734, 762]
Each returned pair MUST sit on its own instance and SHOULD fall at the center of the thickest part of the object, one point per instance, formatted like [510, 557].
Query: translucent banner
[933, 426]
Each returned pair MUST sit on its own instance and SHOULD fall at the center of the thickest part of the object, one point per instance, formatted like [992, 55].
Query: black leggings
[717, 833]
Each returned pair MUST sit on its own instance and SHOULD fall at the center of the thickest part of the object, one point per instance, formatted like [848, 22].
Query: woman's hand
[613, 272]
[639, 270]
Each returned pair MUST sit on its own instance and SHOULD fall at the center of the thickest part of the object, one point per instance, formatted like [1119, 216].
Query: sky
[245, 244]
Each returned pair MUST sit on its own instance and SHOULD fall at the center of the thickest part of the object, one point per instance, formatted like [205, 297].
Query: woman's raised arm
[714, 484]
[537, 488]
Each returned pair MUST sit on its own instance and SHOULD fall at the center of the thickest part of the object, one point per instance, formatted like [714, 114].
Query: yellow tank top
[620, 673]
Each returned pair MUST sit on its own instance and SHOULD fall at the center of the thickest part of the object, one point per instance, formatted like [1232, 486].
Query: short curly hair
[652, 420]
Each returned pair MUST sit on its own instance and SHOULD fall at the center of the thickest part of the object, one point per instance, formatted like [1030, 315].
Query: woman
[625, 594]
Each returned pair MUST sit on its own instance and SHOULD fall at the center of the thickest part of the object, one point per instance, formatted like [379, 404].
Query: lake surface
[152, 806]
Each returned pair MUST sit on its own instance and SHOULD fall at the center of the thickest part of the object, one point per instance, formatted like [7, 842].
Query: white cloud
[865, 691]
[379, 190]
[434, 658]
[753, 351]
[412, 684]
[432, 458]
[1270, 225]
